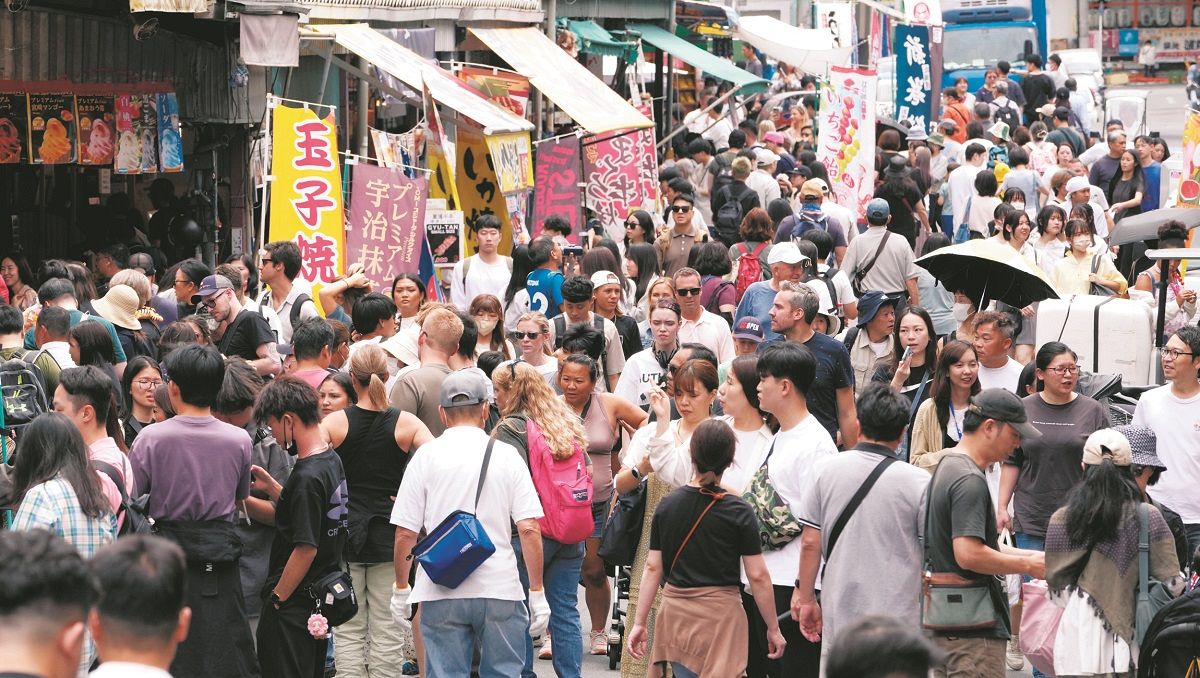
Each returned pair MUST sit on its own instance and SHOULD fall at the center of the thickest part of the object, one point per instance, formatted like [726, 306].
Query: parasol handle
[1164, 275]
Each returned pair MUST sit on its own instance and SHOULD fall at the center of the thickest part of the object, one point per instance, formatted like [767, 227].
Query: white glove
[401, 610]
[539, 613]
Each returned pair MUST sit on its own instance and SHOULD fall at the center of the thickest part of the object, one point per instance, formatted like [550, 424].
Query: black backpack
[23, 390]
[560, 330]
[136, 511]
[728, 220]
[1172, 642]
[1007, 115]
[293, 314]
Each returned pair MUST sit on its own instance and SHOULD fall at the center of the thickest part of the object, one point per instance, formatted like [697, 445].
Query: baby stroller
[1172, 643]
[620, 610]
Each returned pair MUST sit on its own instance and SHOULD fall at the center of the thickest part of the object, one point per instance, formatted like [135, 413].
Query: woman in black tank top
[374, 442]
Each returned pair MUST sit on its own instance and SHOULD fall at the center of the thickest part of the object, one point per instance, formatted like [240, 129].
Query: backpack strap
[560, 328]
[467, 268]
[113, 475]
[297, 306]
[861, 273]
[509, 263]
[598, 323]
[851, 336]
[848, 511]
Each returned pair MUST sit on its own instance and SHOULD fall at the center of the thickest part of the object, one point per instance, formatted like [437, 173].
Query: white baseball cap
[785, 253]
[602, 278]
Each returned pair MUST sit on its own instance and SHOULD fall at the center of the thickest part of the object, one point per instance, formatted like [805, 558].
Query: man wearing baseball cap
[882, 260]
[1079, 192]
[961, 534]
[462, 470]
[607, 294]
[811, 215]
[762, 179]
[786, 264]
[247, 334]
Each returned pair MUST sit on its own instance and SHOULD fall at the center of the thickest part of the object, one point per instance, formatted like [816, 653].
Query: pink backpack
[565, 488]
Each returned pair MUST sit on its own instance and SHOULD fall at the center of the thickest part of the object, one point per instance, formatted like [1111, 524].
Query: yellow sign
[479, 189]
[512, 158]
[306, 195]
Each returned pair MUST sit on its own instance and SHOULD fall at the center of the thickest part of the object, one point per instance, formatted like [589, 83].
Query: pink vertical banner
[557, 169]
[622, 175]
[386, 229]
[876, 38]
[846, 145]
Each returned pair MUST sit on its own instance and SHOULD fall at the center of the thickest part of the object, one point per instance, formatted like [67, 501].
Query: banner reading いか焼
[306, 195]
[387, 222]
[846, 145]
[478, 189]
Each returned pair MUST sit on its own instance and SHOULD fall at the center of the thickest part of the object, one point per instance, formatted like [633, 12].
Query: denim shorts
[599, 516]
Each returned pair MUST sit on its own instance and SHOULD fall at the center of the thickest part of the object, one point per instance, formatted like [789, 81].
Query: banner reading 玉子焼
[306, 194]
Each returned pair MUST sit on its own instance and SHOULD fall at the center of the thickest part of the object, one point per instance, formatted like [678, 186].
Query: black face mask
[291, 447]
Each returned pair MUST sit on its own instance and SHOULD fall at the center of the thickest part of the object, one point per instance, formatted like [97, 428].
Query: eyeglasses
[183, 282]
[1172, 354]
[1064, 370]
[688, 291]
[681, 209]
[148, 383]
[211, 302]
[526, 335]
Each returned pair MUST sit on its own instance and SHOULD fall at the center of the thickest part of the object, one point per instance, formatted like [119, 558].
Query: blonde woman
[662, 289]
[374, 442]
[523, 396]
[532, 339]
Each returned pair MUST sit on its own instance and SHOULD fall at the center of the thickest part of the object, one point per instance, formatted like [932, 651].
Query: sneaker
[1013, 656]
[545, 652]
[600, 643]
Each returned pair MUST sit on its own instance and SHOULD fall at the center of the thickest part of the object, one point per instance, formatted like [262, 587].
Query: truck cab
[979, 33]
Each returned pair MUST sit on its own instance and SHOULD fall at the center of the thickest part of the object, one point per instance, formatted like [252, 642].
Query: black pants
[801, 659]
[285, 647]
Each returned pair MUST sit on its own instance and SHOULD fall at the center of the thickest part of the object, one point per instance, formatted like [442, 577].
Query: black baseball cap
[1004, 406]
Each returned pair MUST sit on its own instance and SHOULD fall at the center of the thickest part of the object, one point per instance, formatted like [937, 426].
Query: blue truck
[979, 33]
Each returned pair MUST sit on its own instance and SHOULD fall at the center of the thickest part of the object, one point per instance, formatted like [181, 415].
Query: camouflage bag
[776, 524]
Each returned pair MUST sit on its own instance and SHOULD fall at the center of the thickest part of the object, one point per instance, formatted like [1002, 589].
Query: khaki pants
[972, 657]
[372, 638]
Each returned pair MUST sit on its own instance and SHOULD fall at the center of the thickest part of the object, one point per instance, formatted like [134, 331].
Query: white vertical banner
[846, 144]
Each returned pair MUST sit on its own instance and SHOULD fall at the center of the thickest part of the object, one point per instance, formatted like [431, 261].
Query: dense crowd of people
[744, 381]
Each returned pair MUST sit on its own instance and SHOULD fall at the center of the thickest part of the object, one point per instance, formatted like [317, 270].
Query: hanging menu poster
[14, 126]
[97, 129]
[146, 125]
[52, 128]
[128, 158]
[170, 143]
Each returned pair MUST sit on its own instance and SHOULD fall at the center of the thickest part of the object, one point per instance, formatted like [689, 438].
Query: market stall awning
[416, 72]
[595, 40]
[698, 58]
[583, 96]
[185, 6]
[809, 49]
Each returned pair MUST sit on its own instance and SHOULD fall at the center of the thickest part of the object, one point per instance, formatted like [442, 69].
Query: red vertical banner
[556, 173]
[387, 222]
[876, 39]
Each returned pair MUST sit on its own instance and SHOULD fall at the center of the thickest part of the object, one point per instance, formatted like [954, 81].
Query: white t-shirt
[440, 479]
[962, 187]
[614, 358]
[841, 285]
[482, 278]
[516, 308]
[711, 330]
[796, 452]
[747, 456]
[641, 371]
[280, 319]
[1176, 423]
[1006, 377]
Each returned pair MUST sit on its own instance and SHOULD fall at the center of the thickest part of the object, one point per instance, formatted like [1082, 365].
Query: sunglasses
[688, 291]
[632, 224]
[526, 335]
[681, 209]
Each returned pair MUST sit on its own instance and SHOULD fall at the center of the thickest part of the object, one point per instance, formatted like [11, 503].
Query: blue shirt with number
[545, 291]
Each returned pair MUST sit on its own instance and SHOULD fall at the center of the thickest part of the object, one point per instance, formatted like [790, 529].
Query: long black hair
[645, 257]
[522, 267]
[931, 349]
[52, 446]
[1096, 504]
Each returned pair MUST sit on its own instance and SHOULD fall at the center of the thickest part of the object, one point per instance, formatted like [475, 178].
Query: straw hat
[119, 306]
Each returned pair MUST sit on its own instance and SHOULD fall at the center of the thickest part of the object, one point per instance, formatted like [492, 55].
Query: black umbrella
[1144, 226]
[987, 270]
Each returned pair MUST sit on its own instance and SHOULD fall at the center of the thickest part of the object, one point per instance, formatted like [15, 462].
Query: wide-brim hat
[119, 307]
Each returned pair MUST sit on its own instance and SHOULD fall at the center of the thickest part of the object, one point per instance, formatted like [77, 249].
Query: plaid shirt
[53, 506]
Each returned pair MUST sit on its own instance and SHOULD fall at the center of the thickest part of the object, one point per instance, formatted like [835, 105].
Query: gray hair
[801, 296]
[1002, 86]
[1116, 135]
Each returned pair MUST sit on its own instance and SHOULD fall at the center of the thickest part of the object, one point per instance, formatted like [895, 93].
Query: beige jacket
[926, 449]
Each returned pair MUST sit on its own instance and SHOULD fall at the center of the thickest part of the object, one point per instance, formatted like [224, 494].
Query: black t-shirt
[631, 338]
[246, 333]
[902, 196]
[313, 509]
[1038, 90]
[713, 555]
[833, 372]
[959, 505]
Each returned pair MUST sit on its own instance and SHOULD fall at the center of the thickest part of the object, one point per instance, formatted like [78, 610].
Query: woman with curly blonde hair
[533, 344]
[522, 395]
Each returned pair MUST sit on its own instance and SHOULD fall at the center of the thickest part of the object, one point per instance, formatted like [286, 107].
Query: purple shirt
[195, 468]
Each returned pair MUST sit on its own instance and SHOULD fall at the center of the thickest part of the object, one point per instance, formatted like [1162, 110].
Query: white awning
[415, 72]
[583, 96]
[809, 49]
[186, 6]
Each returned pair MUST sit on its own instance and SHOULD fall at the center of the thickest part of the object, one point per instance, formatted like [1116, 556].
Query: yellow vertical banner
[306, 194]
[479, 188]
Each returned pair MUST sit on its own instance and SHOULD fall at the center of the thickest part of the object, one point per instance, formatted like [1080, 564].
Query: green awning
[595, 40]
[700, 59]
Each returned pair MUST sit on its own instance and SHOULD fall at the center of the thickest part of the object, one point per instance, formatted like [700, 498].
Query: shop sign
[513, 160]
[479, 189]
[52, 128]
[170, 143]
[509, 91]
[146, 126]
[1189, 184]
[306, 195]
[387, 222]
[914, 79]
[622, 175]
[14, 128]
[846, 144]
[556, 174]
[97, 129]
[443, 229]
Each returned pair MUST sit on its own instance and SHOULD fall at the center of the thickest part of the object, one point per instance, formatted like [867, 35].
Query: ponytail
[376, 393]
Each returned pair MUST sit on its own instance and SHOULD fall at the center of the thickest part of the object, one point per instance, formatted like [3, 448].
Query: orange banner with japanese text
[479, 189]
[306, 194]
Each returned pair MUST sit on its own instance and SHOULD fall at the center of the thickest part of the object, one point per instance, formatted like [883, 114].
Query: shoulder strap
[467, 268]
[716, 498]
[758, 250]
[263, 300]
[113, 475]
[862, 272]
[851, 337]
[844, 516]
[487, 459]
[1095, 263]
[134, 424]
[509, 264]
[770, 451]
[560, 328]
[297, 306]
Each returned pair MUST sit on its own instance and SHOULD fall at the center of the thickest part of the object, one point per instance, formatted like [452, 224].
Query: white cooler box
[1110, 335]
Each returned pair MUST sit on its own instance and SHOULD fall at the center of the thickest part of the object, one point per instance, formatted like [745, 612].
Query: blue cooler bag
[458, 545]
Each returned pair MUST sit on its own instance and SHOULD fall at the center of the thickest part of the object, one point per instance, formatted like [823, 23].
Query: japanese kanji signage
[97, 129]
[622, 175]
[170, 143]
[14, 124]
[387, 222]
[556, 174]
[914, 77]
[306, 195]
[128, 158]
[513, 160]
[478, 188]
[444, 228]
[846, 145]
[52, 128]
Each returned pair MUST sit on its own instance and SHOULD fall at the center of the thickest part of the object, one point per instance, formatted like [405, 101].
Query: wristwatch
[274, 600]
[637, 475]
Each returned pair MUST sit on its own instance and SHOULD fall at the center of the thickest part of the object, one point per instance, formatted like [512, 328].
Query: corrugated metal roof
[46, 45]
[418, 10]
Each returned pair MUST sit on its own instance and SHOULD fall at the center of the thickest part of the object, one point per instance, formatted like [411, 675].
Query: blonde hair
[661, 280]
[765, 127]
[443, 330]
[533, 398]
[543, 326]
[369, 369]
[430, 307]
[135, 279]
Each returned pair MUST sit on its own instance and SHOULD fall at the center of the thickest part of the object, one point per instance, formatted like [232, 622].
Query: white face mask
[961, 312]
[1019, 206]
[485, 327]
[1081, 243]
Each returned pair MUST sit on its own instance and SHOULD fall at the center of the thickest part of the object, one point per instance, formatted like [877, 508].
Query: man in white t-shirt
[962, 180]
[280, 270]
[994, 332]
[1173, 411]
[1079, 192]
[485, 272]
[488, 608]
[698, 325]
